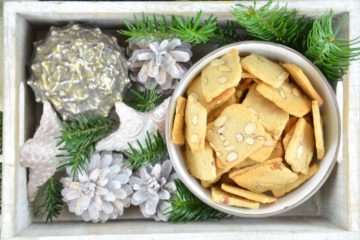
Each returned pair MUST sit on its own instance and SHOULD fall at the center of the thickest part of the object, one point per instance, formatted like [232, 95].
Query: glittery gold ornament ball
[79, 70]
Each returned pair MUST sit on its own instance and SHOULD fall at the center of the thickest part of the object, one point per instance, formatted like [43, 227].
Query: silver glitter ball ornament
[78, 70]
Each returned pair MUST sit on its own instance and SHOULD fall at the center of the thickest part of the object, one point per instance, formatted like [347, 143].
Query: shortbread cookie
[245, 75]
[272, 117]
[201, 165]
[177, 134]
[278, 151]
[196, 89]
[257, 197]
[246, 163]
[288, 97]
[267, 71]
[299, 151]
[235, 134]
[228, 199]
[264, 151]
[302, 178]
[300, 78]
[287, 137]
[242, 88]
[195, 124]
[216, 112]
[290, 124]
[221, 74]
[267, 176]
[318, 128]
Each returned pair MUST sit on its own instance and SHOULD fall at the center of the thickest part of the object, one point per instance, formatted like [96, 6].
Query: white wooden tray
[333, 213]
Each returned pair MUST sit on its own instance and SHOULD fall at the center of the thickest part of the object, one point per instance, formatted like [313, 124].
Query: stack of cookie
[249, 129]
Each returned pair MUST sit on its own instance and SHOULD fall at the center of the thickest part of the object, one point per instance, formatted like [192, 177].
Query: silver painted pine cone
[101, 192]
[153, 186]
[158, 63]
[78, 70]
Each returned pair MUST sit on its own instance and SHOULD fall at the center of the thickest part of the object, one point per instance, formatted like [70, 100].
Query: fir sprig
[78, 138]
[187, 29]
[49, 200]
[143, 100]
[330, 54]
[226, 33]
[154, 151]
[187, 207]
[273, 23]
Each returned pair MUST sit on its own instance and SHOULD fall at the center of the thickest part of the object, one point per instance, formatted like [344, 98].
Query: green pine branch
[78, 139]
[273, 23]
[143, 100]
[187, 29]
[154, 151]
[330, 54]
[49, 200]
[187, 207]
[226, 33]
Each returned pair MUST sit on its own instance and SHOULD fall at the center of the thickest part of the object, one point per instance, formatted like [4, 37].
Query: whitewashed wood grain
[339, 199]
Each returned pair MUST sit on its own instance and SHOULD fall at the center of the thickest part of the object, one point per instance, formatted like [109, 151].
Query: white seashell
[39, 153]
[133, 127]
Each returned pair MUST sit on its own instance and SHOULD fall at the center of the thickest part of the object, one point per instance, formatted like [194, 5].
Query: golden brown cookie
[257, 197]
[242, 88]
[278, 151]
[288, 97]
[246, 163]
[267, 176]
[245, 75]
[290, 124]
[177, 134]
[201, 165]
[318, 128]
[302, 178]
[267, 71]
[195, 124]
[300, 78]
[221, 74]
[264, 151]
[271, 116]
[235, 134]
[287, 137]
[299, 151]
[225, 198]
[216, 112]
[196, 89]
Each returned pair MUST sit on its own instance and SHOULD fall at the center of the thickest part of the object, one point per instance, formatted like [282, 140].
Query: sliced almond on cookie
[288, 97]
[267, 176]
[195, 124]
[267, 71]
[300, 149]
[201, 165]
[302, 178]
[221, 74]
[300, 78]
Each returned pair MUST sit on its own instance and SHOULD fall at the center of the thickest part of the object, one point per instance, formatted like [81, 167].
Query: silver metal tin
[332, 130]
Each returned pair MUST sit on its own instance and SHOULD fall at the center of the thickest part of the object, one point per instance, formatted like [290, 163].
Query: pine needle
[78, 138]
[273, 23]
[155, 28]
[143, 101]
[330, 54]
[226, 33]
[49, 200]
[187, 207]
[154, 151]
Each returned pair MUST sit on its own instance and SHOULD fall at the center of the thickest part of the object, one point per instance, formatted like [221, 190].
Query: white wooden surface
[337, 217]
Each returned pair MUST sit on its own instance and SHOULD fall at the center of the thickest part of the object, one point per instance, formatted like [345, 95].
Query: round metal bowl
[329, 111]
